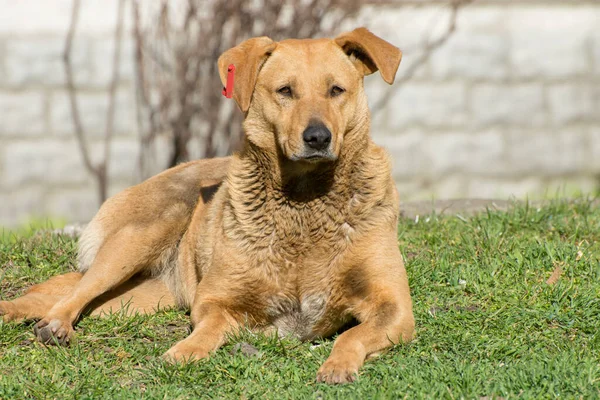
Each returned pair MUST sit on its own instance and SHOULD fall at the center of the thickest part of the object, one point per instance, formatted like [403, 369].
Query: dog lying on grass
[296, 233]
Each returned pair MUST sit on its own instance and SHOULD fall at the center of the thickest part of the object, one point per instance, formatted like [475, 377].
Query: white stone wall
[510, 105]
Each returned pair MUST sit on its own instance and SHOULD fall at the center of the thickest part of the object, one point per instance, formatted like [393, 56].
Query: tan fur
[271, 238]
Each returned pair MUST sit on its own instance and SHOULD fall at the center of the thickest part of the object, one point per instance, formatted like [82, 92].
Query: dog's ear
[370, 53]
[248, 58]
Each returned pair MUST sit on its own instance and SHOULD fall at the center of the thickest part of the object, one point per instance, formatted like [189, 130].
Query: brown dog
[296, 233]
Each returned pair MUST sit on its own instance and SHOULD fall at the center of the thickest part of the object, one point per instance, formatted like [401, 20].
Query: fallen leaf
[555, 275]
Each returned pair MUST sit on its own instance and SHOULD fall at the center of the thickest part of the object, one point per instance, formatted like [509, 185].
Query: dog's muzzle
[317, 143]
[317, 137]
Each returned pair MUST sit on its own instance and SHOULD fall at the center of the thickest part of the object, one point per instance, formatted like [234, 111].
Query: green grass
[488, 324]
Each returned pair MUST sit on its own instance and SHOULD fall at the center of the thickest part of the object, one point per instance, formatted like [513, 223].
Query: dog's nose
[317, 137]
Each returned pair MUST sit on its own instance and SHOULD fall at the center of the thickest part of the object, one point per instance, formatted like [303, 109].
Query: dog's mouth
[314, 157]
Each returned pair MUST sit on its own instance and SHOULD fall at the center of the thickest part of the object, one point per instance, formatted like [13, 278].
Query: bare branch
[97, 171]
[177, 81]
[110, 112]
[79, 131]
[100, 171]
[428, 49]
[176, 57]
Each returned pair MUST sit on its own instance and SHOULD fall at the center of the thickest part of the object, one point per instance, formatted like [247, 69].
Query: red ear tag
[228, 90]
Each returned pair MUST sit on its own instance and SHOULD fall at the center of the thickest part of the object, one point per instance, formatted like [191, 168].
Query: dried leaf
[555, 275]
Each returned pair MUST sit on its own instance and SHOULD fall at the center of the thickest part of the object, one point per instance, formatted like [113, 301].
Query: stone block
[410, 27]
[492, 188]
[38, 61]
[73, 205]
[596, 53]
[480, 18]
[449, 187]
[376, 89]
[571, 103]
[100, 16]
[42, 162]
[550, 41]
[545, 153]
[102, 62]
[472, 56]
[92, 110]
[17, 207]
[409, 190]
[427, 104]
[405, 27]
[406, 153]
[34, 17]
[124, 158]
[594, 148]
[508, 105]
[479, 153]
[81, 203]
[159, 153]
[3, 81]
[420, 189]
[22, 113]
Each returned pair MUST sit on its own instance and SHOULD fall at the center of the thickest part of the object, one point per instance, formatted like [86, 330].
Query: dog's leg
[120, 257]
[39, 299]
[387, 325]
[136, 296]
[31, 306]
[209, 334]
[386, 318]
[212, 322]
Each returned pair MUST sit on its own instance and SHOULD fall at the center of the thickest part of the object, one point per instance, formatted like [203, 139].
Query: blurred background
[494, 98]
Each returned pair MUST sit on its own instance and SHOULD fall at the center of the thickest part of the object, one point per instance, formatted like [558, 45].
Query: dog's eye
[285, 91]
[336, 91]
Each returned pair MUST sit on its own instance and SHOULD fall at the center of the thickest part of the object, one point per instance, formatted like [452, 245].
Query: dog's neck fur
[302, 184]
[263, 190]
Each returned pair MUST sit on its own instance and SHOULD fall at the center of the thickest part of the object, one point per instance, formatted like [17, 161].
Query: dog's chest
[294, 234]
[301, 253]
[297, 317]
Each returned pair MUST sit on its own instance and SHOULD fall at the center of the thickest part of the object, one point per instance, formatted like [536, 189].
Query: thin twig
[182, 74]
[110, 112]
[79, 131]
[428, 49]
[141, 98]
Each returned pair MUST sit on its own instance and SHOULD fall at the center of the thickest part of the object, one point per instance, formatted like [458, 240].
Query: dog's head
[305, 98]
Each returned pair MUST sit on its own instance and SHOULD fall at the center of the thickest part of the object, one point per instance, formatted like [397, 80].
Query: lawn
[507, 305]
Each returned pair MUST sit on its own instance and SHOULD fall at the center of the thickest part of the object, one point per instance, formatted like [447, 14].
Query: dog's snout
[317, 137]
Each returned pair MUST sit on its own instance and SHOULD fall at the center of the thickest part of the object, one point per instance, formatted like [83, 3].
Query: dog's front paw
[54, 331]
[8, 312]
[337, 370]
[184, 352]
